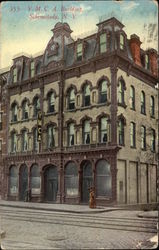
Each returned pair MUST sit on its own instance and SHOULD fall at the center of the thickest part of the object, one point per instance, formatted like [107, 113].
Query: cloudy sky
[26, 25]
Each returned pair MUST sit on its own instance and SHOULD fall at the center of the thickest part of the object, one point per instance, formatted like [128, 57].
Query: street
[41, 229]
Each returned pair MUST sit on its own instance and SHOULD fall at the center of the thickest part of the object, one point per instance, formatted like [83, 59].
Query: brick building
[98, 102]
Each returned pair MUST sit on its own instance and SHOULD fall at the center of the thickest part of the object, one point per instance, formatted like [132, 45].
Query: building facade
[98, 126]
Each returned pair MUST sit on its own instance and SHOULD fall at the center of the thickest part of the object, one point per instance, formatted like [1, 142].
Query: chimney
[153, 61]
[135, 48]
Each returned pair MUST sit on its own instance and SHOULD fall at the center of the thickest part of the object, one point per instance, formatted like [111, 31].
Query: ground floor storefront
[68, 177]
[63, 178]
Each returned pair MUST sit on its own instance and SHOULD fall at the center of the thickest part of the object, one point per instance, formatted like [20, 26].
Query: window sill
[122, 145]
[133, 109]
[153, 151]
[143, 149]
[14, 122]
[71, 110]
[143, 113]
[152, 116]
[122, 105]
[25, 120]
[133, 147]
[50, 113]
[107, 103]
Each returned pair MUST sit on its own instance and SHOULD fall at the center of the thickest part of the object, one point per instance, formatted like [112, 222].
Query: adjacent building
[98, 126]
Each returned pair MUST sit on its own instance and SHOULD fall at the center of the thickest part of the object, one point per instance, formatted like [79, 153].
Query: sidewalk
[57, 207]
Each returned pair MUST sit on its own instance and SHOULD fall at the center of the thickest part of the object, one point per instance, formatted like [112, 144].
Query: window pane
[35, 179]
[103, 178]
[71, 179]
[13, 180]
[87, 126]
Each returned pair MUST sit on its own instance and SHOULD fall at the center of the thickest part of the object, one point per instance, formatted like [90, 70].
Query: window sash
[152, 106]
[32, 69]
[103, 43]
[143, 137]
[79, 51]
[153, 141]
[15, 75]
[51, 139]
[121, 41]
[132, 135]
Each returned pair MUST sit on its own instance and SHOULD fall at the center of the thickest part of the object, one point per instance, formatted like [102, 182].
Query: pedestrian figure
[92, 201]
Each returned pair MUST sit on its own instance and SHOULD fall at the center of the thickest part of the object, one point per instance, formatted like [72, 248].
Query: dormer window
[121, 41]
[103, 43]
[15, 75]
[146, 62]
[32, 69]
[79, 52]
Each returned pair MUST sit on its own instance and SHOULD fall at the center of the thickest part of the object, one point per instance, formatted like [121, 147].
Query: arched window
[71, 179]
[132, 134]
[143, 137]
[35, 179]
[36, 105]
[143, 103]
[25, 110]
[35, 139]
[71, 99]
[121, 41]
[50, 137]
[86, 132]
[51, 102]
[86, 95]
[13, 180]
[152, 106]
[103, 129]
[71, 134]
[14, 112]
[13, 142]
[103, 91]
[153, 140]
[103, 43]
[132, 97]
[121, 132]
[103, 185]
[121, 92]
[24, 140]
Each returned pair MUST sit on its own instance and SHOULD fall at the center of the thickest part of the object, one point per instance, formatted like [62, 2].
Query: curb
[100, 210]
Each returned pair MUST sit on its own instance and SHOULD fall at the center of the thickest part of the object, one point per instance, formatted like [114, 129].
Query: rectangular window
[143, 137]
[121, 41]
[132, 135]
[104, 130]
[32, 69]
[103, 43]
[0, 121]
[79, 52]
[51, 134]
[15, 75]
[153, 140]
[0, 145]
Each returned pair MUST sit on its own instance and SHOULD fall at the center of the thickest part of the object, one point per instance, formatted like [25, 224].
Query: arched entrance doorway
[86, 181]
[50, 183]
[23, 182]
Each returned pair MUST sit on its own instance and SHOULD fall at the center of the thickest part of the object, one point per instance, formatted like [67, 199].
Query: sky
[25, 26]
